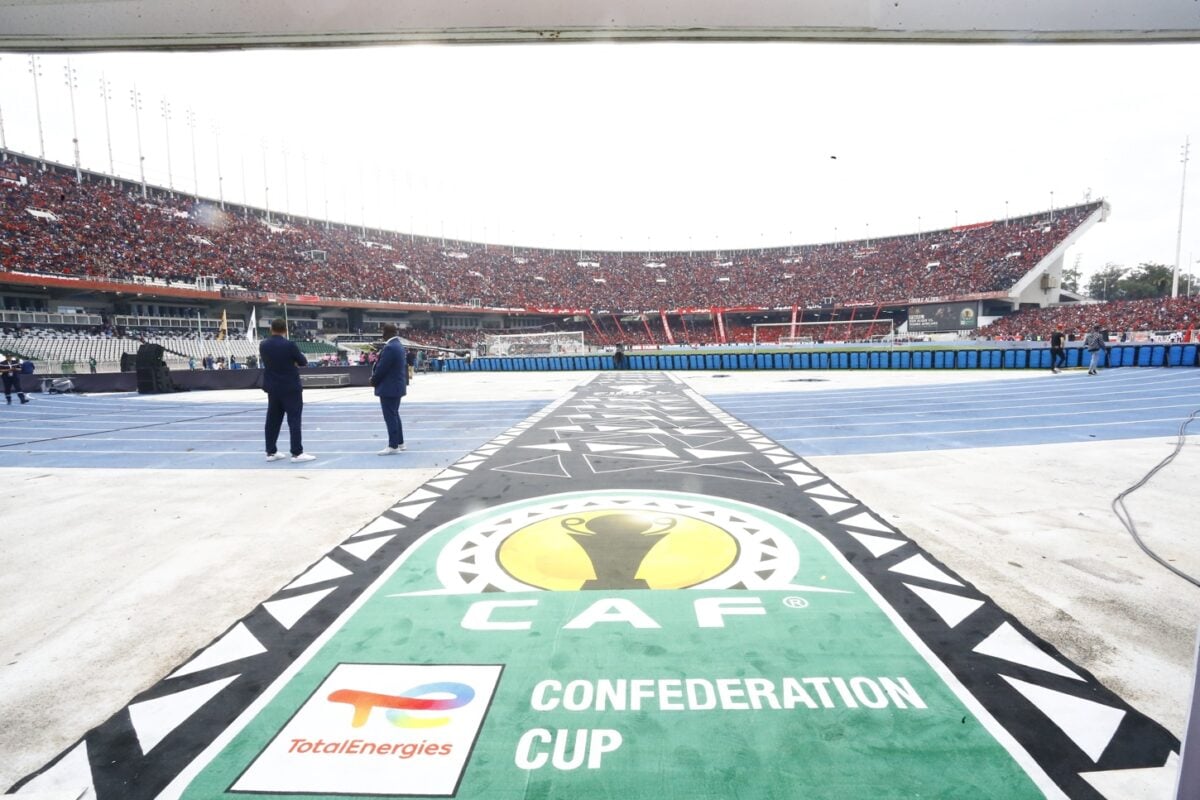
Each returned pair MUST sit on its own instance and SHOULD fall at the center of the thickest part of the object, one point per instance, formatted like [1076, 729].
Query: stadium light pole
[35, 69]
[245, 193]
[1052, 206]
[135, 100]
[3, 139]
[1179, 231]
[287, 184]
[1006, 213]
[166, 115]
[918, 227]
[304, 176]
[70, 75]
[190, 116]
[266, 184]
[106, 95]
[325, 188]
[220, 178]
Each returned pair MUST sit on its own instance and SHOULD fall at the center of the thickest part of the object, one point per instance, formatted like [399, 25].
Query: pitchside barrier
[1119, 355]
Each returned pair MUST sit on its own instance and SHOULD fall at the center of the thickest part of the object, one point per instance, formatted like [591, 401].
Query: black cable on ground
[1127, 519]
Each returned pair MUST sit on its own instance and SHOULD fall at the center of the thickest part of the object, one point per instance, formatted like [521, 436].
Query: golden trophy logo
[617, 549]
[617, 540]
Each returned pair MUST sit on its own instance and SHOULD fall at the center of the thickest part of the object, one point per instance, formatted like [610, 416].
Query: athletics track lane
[125, 431]
[1070, 407]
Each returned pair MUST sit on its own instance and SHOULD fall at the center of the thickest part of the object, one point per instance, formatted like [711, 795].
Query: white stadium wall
[148, 24]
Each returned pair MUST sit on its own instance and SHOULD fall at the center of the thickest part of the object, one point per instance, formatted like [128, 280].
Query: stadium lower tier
[1137, 355]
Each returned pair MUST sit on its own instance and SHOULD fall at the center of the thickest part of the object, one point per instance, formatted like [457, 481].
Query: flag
[223, 331]
[253, 325]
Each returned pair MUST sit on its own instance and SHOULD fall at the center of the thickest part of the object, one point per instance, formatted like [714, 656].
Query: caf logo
[618, 540]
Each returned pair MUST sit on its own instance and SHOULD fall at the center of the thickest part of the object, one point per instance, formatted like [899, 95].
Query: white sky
[659, 146]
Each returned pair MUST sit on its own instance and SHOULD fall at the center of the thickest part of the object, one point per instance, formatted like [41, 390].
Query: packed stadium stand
[51, 225]
[106, 230]
[1161, 314]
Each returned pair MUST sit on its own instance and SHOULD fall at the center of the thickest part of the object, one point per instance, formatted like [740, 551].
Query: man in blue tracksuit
[281, 361]
[390, 379]
[10, 371]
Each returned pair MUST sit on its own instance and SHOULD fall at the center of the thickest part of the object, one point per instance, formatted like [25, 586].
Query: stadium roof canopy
[30, 25]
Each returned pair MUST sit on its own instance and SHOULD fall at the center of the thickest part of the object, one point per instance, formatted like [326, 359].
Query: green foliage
[1070, 279]
[1115, 282]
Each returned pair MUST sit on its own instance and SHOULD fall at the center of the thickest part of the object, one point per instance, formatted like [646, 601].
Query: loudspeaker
[150, 355]
[128, 362]
[154, 380]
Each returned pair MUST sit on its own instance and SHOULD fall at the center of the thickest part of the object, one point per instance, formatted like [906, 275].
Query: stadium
[810, 520]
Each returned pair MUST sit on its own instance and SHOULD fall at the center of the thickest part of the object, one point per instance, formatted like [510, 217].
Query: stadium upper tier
[102, 229]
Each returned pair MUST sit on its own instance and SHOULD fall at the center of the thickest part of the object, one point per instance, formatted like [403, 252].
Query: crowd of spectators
[1161, 314]
[51, 225]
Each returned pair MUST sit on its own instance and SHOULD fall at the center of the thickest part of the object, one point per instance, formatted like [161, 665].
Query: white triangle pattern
[413, 511]
[952, 608]
[877, 545]
[920, 567]
[420, 494]
[831, 506]
[379, 526]
[154, 719]
[365, 549]
[805, 480]
[71, 778]
[657, 452]
[1006, 643]
[1144, 782]
[602, 447]
[289, 611]
[1089, 724]
[323, 570]
[866, 521]
[701, 453]
[238, 643]
[444, 485]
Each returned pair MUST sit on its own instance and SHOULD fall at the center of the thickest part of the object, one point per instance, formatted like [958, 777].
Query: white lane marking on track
[983, 430]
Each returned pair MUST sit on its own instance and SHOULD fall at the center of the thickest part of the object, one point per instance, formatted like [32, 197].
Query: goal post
[535, 344]
[858, 330]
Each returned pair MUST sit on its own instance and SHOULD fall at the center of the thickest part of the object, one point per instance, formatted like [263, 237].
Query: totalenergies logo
[397, 708]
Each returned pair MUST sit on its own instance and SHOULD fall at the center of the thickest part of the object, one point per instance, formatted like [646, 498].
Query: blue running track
[125, 431]
[1070, 407]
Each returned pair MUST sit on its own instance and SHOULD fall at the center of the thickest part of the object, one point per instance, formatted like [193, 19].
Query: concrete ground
[114, 575]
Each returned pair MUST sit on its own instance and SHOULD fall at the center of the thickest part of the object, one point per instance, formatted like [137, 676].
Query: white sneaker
[401, 446]
[276, 456]
[388, 451]
[303, 457]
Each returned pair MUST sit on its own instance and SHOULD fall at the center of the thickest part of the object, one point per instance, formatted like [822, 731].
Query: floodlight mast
[35, 69]
[106, 94]
[136, 102]
[1179, 230]
[69, 72]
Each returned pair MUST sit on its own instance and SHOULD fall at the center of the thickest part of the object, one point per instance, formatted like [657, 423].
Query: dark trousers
[12, 383]
[391, 418]
[279, 404]
[1058, 357]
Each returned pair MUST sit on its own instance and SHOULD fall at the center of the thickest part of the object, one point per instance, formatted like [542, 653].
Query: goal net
[535, 344]
[782, 334]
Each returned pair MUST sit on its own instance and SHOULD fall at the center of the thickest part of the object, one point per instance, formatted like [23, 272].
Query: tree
[1147, 280]
[1105, 284]
[1070, 279]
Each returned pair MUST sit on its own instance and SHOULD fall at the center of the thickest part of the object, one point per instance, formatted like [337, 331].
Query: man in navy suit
[390, 379]
[281, 361]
